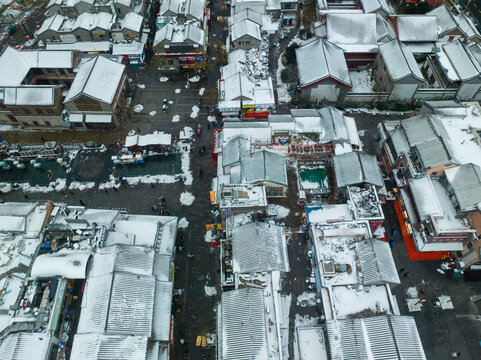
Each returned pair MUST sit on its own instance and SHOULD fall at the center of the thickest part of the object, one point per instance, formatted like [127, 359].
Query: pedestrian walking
[106, 190]
[200, 172]
[81, 202]
[26, 196]
[406, 274]
[138, 130]
[115, 189]
[394, 232]
[391, 243]
[203, 148]
[43, 140]
[208, 126]
[401, 270]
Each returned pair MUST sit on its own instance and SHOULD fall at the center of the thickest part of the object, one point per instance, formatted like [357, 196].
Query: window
[12, 118]
[36, 123]
[78, 38]
[39, 111]
[27, 112]
[47, 123]
[25, 123]
[450, 39]
[470, 246]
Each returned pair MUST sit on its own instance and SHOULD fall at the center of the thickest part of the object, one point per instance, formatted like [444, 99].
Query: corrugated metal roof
[462, 60]
[107, 347]
[162, 267]
[259, 246]
[264, 166]
[333, 123]
[418, 129]
[242, 325]
[162, 311]
[377, 263]
[19, 346]
[133, 259]
[357, 168]
[379, 337]
[235, 149]
[131, 304]
[465, 181]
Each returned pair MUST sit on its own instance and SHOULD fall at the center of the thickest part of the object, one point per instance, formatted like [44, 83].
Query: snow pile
[170, 102]
[76, 185]
[306, 299]
[277, 210]
[195, 112]
[282, 93]
[412, 292]
[211, 118]
[186, 198]
[194, 79]
[163, 79]
[138, 108]
[209, 236]
[152, 113]
[141, 86]
[56, 185]
[113, 182]
[183, 223]
[186, 166]
[177, 91]
[210, 290]
[201, 91]
[7, 128]
[176, 118]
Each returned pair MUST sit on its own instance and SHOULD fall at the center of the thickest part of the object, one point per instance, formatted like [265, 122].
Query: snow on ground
[195, 112]
[209, 236]
[194, 79]
[163, 79]
[306, 299]
[282, 92]
[183, 223]
[177, 91]
[210, 290]
[76, 185]
[305, 320]
[412, 292]
[186, 198]
[278, 210]
[8, 128]
[138, 108]
[152, 113]
[201, 91]
[141, 86]
[176, 118]
[211, 118]
[56, 185]
[113, 182]
[362, 81]
[186, 166]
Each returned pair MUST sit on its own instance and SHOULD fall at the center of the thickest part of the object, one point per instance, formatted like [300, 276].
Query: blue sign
[3, 141]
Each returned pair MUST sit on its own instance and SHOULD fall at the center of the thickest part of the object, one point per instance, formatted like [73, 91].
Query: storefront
[133, 54]
[230, 110]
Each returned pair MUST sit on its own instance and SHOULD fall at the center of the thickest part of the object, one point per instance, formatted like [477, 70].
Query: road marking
[476, 6]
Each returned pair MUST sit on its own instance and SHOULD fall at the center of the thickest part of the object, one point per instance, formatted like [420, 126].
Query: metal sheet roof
[465, 180]
[377, 262]
[418, 129]
[70, 264]
[264, 166]
[357, 168]
[259, 246]
[162, 311]
[19, 346]
[333, 123]
[106, 347]
[242, 325]
[379, 337]
[235, 149]
[245, 27]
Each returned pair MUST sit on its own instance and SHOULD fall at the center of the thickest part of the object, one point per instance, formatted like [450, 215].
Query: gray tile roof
[465, 181]
[399, 142]
[234, 150]
[264, 166]
[332, 121]
[259, 246]
[357, 168]
[433, 153]
[418, 129]
[399, 60]
[242, 328]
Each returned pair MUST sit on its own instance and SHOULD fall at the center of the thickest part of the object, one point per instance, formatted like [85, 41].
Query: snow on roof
[467, 26]
[320, 59]
[90, 21]
[446, 20]
[134, 259]
[329, 213]
[29, 95]
[400, 61]
[238, 87]
[258, 247]
[123, 2]
[264, 166]
[194, 34]
[418, 129]
[121, 347]
[234, 149]
[384, 29]
[132, 21]
[16, 208]
[98, 78]
[399, 141]
[99, 216]
[465, 181]
[162, 311]
[245, 28]
[371, 6]
[249, 15]
[156, 138]
[195, 8]
[98, 118]
[237, 56]
[54, 2]
[333, 122]
[352, 29]
[377, 262]
[133, 48]
[417, 28]
[52, 23]
[118, 303]
[24, 60]
[311, 343]
[462, 60]
[170, 5]
[19, 346]
[231, 69]
[84, 46]
[358, 339]
[70, 264]
[12, 223]
[357, 168]
[252, 130]
[433, 153]
[242, 325]
[165, 33]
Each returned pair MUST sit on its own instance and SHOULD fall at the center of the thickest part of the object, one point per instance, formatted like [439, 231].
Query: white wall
[403, 92]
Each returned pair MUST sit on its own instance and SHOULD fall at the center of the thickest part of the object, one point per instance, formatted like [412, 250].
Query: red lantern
[5, 35]
[17, 24]
[38, 27]
[37, 8]
[17, 47]
[27, 37]
[26, 18]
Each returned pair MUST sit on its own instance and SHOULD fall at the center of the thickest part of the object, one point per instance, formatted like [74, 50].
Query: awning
[98, 118]
[76, 118]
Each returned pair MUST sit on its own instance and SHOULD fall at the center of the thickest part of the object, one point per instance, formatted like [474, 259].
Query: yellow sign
[211, 226]
[212, 196]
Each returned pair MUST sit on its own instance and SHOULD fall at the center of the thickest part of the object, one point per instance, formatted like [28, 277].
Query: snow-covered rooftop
[89, 21]
[371, 6]
[96, 346]
[365, 202]
[234, 149]
[329, 213]
[356, 168]
[29, 95]
[417, 28]
[26, 345]
[252, 130]
[355, 29]
[264, 166]
[245, 27]
[132, 21]
[400, 61]
[98, 78]
[319, 60]
[235, 196]
[446, 20]
[465, 181]
[458, 61]
[70, 264]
